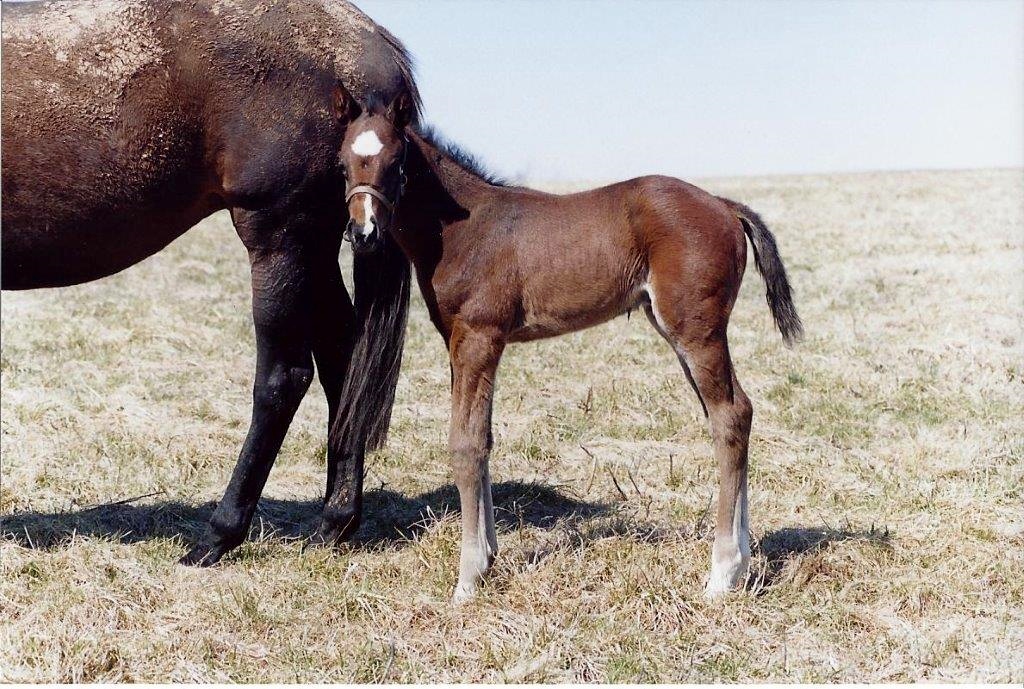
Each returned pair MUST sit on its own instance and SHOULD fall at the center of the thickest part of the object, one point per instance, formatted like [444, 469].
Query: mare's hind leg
[334, 327]
[700, 343]
[474, 360]
[281, 298]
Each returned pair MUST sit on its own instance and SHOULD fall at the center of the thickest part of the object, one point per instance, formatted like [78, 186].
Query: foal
[501, 264]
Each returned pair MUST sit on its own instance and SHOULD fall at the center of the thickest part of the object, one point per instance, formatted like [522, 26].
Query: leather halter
[371, 191]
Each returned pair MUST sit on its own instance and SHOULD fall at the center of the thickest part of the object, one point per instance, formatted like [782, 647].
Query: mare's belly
[40, 252]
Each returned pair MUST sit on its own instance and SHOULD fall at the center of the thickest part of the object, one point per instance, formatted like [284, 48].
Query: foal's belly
[554, 306]
[576, 273]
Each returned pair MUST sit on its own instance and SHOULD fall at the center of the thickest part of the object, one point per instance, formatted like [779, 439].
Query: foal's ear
[345, 107]
[400, 112]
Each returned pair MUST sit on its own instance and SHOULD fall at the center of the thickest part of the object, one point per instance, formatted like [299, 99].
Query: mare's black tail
[382, 279]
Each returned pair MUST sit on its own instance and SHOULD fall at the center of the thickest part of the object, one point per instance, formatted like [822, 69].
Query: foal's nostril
[362, 236]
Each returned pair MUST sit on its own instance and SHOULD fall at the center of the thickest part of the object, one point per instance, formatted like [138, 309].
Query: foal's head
[372, 158]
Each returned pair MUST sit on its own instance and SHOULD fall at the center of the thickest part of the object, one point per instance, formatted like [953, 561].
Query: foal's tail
[769, 264]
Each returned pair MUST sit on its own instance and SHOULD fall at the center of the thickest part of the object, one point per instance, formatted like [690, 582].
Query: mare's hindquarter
[96, 121]
[125, 122]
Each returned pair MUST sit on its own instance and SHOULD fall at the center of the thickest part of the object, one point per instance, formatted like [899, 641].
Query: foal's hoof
[203, 555]
[715, 592]
[726, 578]
[465, 593]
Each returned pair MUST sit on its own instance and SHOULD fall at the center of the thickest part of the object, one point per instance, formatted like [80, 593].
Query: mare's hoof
[203, 555]
[324, 538]
[334, 531]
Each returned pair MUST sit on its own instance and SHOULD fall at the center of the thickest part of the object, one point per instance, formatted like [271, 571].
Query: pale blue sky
[566, 89]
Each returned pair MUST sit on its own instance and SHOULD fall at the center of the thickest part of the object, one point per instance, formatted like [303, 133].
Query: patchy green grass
[886, 481]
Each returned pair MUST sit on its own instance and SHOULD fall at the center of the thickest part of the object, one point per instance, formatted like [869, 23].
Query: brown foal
[501, 264]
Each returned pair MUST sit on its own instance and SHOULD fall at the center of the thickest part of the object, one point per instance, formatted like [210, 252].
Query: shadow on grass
[783, 546]
[389, 518]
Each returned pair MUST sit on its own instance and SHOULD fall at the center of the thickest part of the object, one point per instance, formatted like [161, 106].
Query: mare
[125, 122]
[499, 264]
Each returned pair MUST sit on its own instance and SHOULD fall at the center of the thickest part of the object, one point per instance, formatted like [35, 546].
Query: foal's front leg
[474, 360]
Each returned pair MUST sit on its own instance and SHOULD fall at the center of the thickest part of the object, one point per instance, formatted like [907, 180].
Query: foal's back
[577, 260]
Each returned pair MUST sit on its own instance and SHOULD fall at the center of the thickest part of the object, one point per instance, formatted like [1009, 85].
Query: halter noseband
[371, 191]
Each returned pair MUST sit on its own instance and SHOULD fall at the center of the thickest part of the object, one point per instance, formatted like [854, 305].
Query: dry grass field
[886, 484]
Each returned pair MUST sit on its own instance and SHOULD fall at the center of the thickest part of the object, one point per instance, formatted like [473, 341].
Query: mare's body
[125, 122]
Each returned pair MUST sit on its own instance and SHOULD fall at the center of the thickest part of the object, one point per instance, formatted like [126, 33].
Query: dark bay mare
[503, 264]
[125, 122]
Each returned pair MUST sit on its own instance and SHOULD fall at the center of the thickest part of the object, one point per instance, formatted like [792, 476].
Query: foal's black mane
[451, 150]
[458, 155]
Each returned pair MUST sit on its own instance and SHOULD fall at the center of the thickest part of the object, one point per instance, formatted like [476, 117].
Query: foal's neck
[438, 177]
[443, 190]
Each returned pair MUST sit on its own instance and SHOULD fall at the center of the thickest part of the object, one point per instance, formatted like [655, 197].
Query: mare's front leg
[284, 369]
[474, 359]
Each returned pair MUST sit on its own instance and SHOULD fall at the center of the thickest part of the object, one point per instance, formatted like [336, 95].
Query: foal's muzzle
[367, 236]
[363, 237]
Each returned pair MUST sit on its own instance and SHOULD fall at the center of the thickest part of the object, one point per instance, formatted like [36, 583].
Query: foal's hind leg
[474, 360]
[700, 343]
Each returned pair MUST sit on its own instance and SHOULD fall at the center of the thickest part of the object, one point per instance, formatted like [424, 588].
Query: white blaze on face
[367, 210]
[367, 144]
